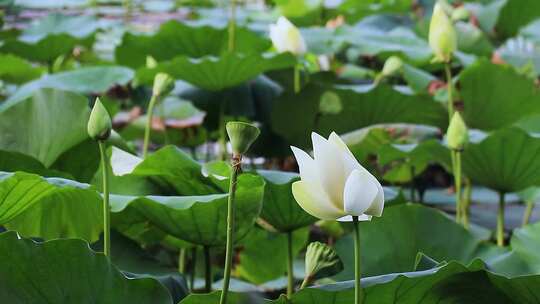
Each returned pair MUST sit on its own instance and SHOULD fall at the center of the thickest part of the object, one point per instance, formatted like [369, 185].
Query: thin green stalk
[297, 78]
[466, 202]
[357, 269]
[236, 168]
[454, 171]
[232, 26]
[457, 183]
[106, 208]
[148, 128]
[500, 221]
[182, 261]
[528, 213]
[290, 267]
[207, 269]
[450, 91]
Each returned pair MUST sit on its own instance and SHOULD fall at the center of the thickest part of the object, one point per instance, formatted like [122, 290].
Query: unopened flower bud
[99, 124]
[442, 35]
[163, 84]
[322, 261]
[457, 134]
[392, 66]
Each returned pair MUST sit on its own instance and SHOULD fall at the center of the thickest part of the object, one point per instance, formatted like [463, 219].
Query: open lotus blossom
[333, 184]
[286, 37]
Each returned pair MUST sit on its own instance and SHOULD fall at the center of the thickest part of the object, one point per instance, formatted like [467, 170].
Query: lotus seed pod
[163, 84]
[322, 261]
[99, 124]
[392, 66]
[242, 135]
[457, 134]
[442, 35]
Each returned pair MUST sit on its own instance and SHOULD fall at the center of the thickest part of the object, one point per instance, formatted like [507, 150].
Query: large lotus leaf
[49, 207]
[522, 53]
[356, 10]
[295, 115]
[369, 41]
[255, 248]
[67, 271]
[79, 27]
[280, 209]
[390, 243]
[217, 73]
[45, 50]
[516, 14]
[16, 70]
[174, 39]
[175, 173]
[44, 125]
[472, 40]
[85, 80]
[495, 96]
[199, 219]
[412, 159]
[450, 283]
[507, 160]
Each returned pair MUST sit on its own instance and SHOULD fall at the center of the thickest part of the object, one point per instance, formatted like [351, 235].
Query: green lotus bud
[163, 84]
[442, 35]
[392, 66]
[460, 14]
[322, 261]
[242, 135]
[457, 134]
[151, 63]
[99, 124]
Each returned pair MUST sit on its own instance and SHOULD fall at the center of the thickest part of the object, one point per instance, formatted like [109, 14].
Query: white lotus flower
[333, 184]
[286, 37]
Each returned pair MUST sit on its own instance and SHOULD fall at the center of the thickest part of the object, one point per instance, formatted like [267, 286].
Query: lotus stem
[297, 79]
[500, 221]
[357, 269]
[528, 212]
[413, 193]
[182, 261]
[457, 183]
[466, 202]
[232, 26]
[148, 128]
[207, 269]
[450, 88]
[290, 265]
[236, 163]
[106, 207]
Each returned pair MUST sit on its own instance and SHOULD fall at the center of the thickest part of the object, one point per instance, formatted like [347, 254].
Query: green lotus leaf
[198, 219]
[46, 273]
[412, 228]
[294, 116]
[280, 209]
[49, 208]
[506, 161]
[495, 96]
[174, 39]
[217, 73]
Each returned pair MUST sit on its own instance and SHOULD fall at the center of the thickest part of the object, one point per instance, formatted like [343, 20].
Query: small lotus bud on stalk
[99, 128]
[457, 137]
[151, 63]
[321, 261]
[242, 136]
[460, 14]
[392, 66]
[163, 85]
[442, 35]
[99, 124]
[457, 134]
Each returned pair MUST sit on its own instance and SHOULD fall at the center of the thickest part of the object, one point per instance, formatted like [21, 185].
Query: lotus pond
[278, 151]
